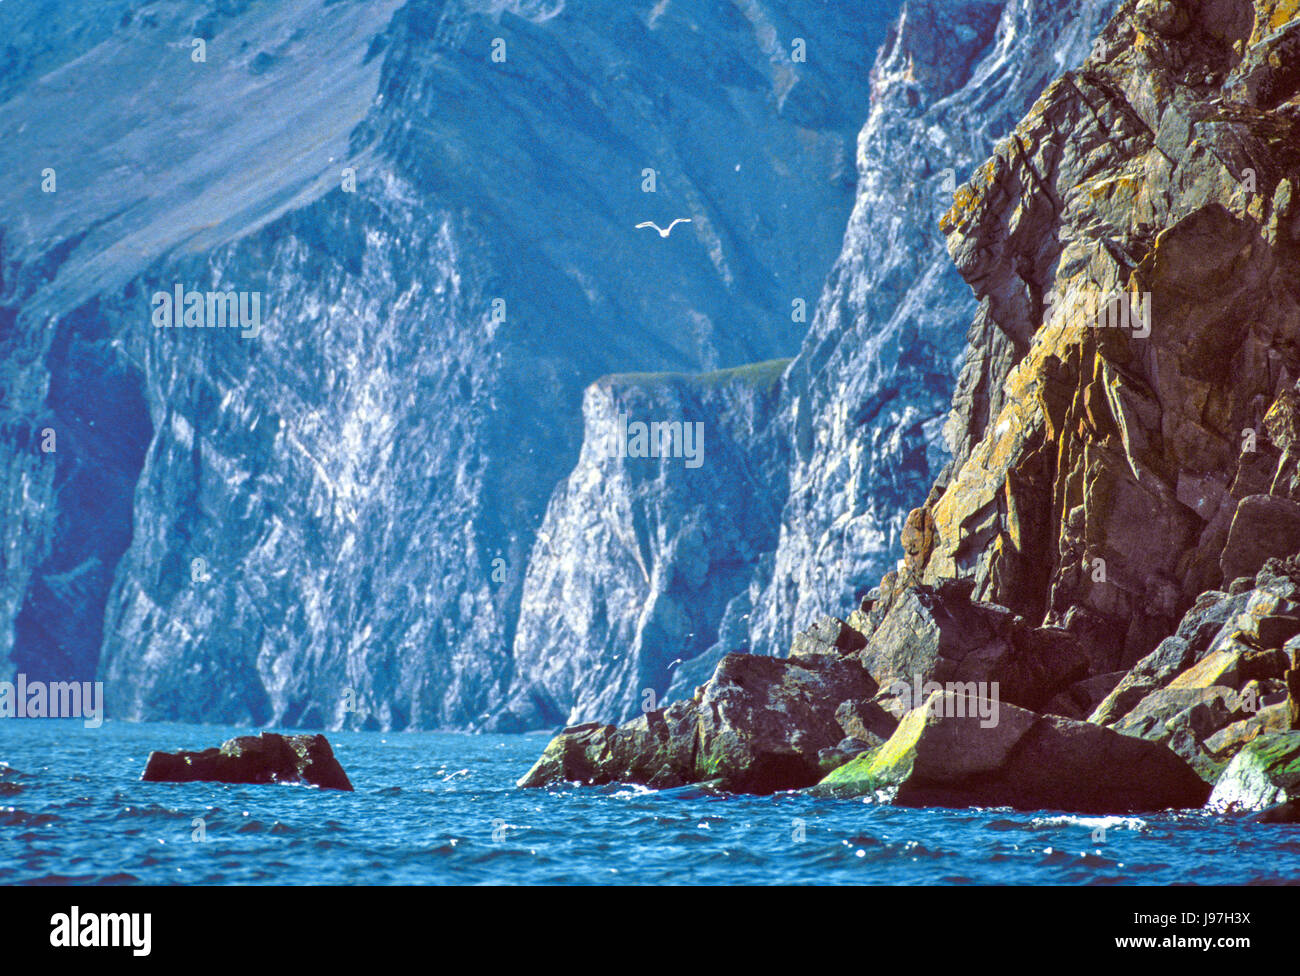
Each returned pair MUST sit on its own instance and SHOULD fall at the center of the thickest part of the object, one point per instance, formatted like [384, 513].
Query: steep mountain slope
[1109, 569]
[306, 527]
[640, 558]
[858, 425]
[866, 398]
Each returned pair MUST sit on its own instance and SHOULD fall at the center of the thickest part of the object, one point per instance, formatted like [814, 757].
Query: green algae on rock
[1266, 772]
[942, 754]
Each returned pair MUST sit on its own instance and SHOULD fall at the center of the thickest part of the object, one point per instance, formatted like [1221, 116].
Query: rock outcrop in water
[1263, 775]
[1221, 679]
[758, 726]
[1124, 475]
[945, 753]
[268, 758]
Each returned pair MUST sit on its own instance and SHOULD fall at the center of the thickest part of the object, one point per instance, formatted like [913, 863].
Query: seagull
[662, 232]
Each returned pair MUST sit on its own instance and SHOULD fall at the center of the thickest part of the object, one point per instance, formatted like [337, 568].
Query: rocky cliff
[858, 426]
[867, 395]
[1112, 548]
[1133, 247]
[330, 523]
[639, 557]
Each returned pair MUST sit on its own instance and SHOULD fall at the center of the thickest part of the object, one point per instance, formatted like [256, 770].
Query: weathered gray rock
[1216, 622]
[268, 758]
[865, 720]
[827, 636]
[1263, 527]
[1207, 697]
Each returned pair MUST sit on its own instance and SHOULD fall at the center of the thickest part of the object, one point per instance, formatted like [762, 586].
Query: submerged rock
[268, 758]
[1282, 813]
[944, 754]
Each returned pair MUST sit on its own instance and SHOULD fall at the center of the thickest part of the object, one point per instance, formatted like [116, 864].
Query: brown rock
[268, 758]
[917, 540]
[828, 635]
[1091, 463]
[938, 634]
[865, 720]
[941, 756]
[761, 725]
[1264, 527]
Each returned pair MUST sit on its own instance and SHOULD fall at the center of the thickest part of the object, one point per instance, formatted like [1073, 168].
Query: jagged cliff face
[1111, 562]
[243, 530]
[866, 397]
[95, 407]
[1104, 477]
[640, 557]
[858, 424]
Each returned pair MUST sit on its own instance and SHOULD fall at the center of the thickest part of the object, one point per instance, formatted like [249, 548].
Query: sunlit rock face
[331, 523]
[1112, 468]
[1116, 535]
[867, 397]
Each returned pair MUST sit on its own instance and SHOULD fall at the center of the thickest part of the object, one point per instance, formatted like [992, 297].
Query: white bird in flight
[662, 231]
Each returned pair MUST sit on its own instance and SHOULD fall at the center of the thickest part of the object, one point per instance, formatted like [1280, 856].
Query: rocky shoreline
[1108, 565]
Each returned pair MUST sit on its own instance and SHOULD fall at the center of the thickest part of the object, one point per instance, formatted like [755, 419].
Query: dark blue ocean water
[437, 808]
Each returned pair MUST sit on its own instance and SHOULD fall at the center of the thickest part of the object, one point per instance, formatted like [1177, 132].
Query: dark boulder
[943, 754]
[268, 758]
[759, 725]
[1288, 813]
[939, 634]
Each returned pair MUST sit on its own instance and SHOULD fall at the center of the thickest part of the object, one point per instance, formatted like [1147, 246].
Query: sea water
[442, 808]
